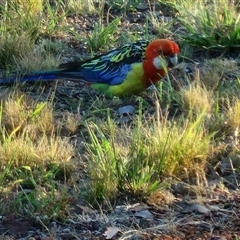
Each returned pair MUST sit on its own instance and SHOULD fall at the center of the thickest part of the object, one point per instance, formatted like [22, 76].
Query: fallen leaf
[111, 232]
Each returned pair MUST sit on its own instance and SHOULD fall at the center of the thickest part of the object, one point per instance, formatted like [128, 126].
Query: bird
[124, 71]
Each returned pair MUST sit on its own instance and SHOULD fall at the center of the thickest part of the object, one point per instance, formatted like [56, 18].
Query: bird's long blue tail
[71, 71]
[34, 77]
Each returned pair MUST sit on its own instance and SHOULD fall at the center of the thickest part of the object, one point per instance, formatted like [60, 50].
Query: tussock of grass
[23, 152]
[41, 204]
[16, 20]
[213, 25]
[134, 160]
[23, 57]
[44, 204]
[20, 112]
[197, 99]
[33, 7]
[13, 47]
[32, 154]
[27, 123]
[20, 29]
[102, 37]
[213, 92]
[71, 122]
[41, 60]
[19, 55]
[79, 6]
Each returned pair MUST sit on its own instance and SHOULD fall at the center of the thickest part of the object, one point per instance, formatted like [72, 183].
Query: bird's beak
[173, 60]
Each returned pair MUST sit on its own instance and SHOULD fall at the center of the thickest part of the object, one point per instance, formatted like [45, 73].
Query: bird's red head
[161, 54]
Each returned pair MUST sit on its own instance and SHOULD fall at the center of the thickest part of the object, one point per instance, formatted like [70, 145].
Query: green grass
[189, 127]
[102, 37]
[211, 26]
[152, 150]
[20, 34]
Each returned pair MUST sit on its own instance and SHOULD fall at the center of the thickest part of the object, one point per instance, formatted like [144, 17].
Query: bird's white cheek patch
[159, 63]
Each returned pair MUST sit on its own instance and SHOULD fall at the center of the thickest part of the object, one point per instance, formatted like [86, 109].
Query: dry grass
[30, 146]
[33, 7]
[76, 7]
[233, 116]
[197, 98]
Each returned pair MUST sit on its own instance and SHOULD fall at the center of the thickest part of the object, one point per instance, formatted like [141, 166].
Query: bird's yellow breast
[133, 84]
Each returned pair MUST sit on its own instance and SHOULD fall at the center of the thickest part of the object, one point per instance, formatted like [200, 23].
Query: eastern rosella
[123, 71]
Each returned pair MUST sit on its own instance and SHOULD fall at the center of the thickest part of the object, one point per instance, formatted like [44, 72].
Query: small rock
[125, 110]
[144, 214]
[142, 7]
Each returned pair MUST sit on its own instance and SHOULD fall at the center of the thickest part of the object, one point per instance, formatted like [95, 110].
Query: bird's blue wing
[112, 74]
[110, 68]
